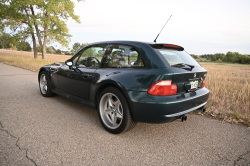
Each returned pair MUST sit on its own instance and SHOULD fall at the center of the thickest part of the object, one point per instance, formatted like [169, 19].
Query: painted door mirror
[69, 62]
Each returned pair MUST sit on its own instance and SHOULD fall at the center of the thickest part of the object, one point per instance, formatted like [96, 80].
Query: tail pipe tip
[183, 118]
[203, 109]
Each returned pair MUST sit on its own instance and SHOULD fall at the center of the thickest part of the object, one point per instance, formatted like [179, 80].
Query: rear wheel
[44, 84]
[114, 112]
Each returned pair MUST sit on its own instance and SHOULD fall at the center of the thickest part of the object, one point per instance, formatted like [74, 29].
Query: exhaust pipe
[183, 118]
[203, 109]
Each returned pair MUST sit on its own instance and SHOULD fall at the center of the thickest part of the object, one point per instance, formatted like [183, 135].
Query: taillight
[204, 82]
[163, 88]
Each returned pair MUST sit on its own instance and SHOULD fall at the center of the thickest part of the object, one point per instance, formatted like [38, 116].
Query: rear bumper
[160, 109]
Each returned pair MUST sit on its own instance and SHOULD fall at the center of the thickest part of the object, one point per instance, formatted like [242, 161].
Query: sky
[201, 27]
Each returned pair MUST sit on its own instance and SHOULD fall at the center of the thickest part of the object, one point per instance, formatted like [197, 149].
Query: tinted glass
[75, 58]
[121, 56]
[92, 56]
[175, 57]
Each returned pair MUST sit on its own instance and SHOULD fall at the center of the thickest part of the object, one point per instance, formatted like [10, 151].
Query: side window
[121, 56]
[92, 56]
[75, 58]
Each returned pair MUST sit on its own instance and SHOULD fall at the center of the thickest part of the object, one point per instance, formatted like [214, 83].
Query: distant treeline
[233, 57]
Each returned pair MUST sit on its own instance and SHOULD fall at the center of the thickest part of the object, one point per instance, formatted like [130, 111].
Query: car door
[76, 79]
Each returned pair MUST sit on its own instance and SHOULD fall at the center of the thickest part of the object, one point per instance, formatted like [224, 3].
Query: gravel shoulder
[58, 131]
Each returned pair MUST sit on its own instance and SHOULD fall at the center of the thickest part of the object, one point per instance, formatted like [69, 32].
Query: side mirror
[69, 62]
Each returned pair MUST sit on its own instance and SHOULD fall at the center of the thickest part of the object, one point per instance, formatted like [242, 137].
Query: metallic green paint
[154, 109]
[133, 82]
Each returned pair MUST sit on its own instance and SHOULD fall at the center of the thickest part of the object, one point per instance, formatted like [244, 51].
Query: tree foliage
[45, 18]
[194, 56]
[233, 57]
[23, 46]
[51, 50]
[5, 40]
[77, 46]
[8, 41]
[58, 51]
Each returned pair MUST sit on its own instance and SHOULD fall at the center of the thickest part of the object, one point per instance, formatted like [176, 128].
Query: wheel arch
[41, 70]
[109, 84]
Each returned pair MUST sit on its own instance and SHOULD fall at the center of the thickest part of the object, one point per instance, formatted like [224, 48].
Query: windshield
[174, 57]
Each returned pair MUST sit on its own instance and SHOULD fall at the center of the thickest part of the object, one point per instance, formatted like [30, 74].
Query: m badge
[194, 74]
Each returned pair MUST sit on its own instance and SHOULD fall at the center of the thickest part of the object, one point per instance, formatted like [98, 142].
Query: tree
[219, 56]
[58, 51]
[5, 39]
[45, 17]
[207, 56]
[213, 57]
[77, 46]
[51, 50]
[23, 46]
[230, 57]
[194, 56]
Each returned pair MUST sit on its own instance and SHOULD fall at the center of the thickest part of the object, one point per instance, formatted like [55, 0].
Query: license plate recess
[194, 84]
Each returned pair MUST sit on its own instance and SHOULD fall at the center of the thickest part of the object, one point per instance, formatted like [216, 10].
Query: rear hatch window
[189, 75]
[174, 57]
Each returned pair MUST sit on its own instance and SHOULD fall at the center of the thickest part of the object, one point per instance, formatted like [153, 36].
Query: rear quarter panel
[127, 79]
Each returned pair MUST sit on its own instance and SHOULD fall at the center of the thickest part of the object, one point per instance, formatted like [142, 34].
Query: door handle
[85, 75]
[116, 72]
[53, 70]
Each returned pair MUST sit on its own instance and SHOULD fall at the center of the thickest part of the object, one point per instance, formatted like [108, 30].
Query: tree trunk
[34, 46]
[44, 50]
[32, 34]
[44, 41]
[38, 34]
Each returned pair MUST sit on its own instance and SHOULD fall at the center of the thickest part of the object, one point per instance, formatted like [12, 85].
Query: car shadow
[91, 117]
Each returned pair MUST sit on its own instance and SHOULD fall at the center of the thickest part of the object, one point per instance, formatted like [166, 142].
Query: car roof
[131, 42]
[153, 60]
[121, 41]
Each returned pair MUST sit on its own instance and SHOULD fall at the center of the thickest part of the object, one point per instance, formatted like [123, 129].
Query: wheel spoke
[110, 101]
[116, 104]
[114, 120]
[108, 111]
[45, 87]
[44, 78]
[119, 115]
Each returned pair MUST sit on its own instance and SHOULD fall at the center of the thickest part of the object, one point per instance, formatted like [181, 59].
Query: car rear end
[174, 94]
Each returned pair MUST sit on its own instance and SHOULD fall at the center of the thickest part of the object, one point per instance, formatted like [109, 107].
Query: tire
[114, 112]
[44, 85]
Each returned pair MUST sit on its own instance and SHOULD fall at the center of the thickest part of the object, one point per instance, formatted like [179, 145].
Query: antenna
[162, 29]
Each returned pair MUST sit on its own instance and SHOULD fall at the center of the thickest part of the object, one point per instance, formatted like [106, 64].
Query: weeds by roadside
[26, 60]
[229, 98]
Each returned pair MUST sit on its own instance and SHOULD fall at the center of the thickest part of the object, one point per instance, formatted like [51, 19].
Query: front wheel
[44, 85]
[114, 112]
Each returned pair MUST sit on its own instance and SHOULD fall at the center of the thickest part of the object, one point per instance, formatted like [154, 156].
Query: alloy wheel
[111, 110]
[43, 84]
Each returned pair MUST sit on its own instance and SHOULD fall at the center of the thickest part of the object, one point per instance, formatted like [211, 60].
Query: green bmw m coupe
[129, 82]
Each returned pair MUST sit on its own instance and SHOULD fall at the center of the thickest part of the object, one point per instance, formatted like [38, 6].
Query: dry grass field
[26, 60]
[229, 84]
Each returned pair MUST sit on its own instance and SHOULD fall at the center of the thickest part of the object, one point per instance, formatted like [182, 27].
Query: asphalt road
[56, 131]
